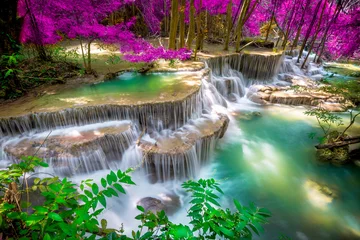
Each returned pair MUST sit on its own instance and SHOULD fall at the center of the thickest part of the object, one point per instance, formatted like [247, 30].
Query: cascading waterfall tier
[253, 66]
[179, 155]
[153, 115]
[78, 149]
[157, 110]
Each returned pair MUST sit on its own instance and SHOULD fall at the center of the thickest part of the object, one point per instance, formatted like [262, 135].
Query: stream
[265, 157]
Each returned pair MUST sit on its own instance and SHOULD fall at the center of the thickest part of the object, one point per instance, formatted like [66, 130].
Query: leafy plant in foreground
[71, 212]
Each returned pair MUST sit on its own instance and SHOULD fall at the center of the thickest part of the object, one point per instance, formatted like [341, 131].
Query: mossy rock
[336, 156]
[324, 155]
[340, 155]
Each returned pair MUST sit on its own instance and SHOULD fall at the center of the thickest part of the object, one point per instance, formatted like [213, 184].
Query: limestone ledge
[19, 117]
[73, 144]
[288, 95]
[179, 143]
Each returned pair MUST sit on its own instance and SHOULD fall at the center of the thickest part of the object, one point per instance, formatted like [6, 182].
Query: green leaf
[95, 188]
[41, 210]
[103, 224]
[254, 229]
[265, 212]
[238, 205]
[103, 182]
[119, 188]
[55, 216]
[102, 200]
[240, 226]
[226, 231]
[8, 72]
[47, 237]
[88, 193]
[181, 232]
[113, 192]
[8, 206]
[141, 209]
[213, 201]
[43, 164]
[36, 180]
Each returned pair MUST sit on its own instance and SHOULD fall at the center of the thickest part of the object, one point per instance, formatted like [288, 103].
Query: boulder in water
[170, 203]
[151, 204]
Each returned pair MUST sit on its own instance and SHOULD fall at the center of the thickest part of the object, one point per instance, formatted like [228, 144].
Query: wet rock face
[151, 204]
[263, 94]
[170, 203]
[77, 151]
[179, 154]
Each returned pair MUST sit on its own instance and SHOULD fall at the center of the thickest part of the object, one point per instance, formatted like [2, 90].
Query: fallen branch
[346, 141]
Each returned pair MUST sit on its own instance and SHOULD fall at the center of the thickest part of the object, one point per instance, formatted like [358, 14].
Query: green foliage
[71, 212]
[348, 93]
[66, 212]
[59, 53]
[349, 90]
[326, 120]
[172, 62]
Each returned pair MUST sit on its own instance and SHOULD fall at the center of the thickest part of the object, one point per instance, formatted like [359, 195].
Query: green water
[128, 85]
[127, 89]
[271, 163]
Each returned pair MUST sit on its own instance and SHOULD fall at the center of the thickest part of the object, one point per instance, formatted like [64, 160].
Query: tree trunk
[315, 35]
[191, 33]
[182, 24]
[89, 70]
[199, 35]
[174, 20]
[240, 23]
[83, 53]
[346, 141]
[287, 33]
[269, 28]
[308, 31]
[228, 25]
[35, 28]
[296, 40]
[324, 38]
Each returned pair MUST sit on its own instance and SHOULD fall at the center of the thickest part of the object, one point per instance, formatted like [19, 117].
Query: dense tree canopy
[325, 26]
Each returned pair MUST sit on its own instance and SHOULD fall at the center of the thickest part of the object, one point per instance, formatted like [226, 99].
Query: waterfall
[232, 74]
[178, 155]
[252, 66]
[82, 149]
[155, 115]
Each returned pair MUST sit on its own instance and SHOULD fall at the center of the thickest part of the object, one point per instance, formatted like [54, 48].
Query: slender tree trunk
[269, 28]
[287, 34]
[35, 28]
[308, 31]
[324, 38]
[182, 24]
[200, 32]
[89, 57]
[191, 33]
[315, 35]
[173, 24]
[249, 12]
[83, 53]
[228, 25]
[296, 40]
[240, 23]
